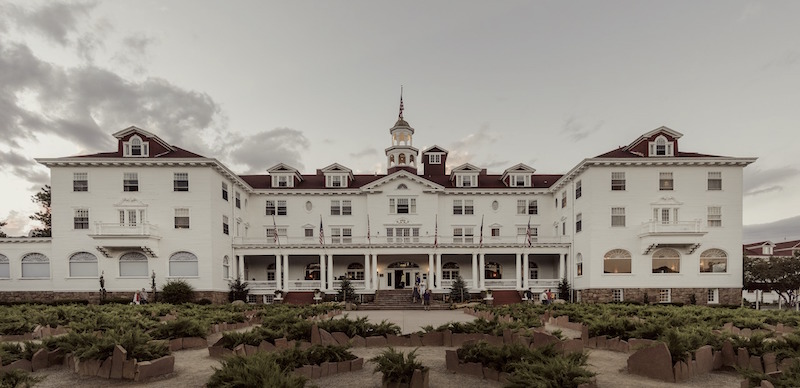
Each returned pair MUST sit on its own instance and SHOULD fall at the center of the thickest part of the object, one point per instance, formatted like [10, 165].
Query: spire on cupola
[401, 154]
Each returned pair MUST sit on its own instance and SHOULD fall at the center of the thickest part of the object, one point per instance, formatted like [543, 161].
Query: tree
[2, 224]
[458, 290]
[42, 198]
[564, 289]
[346, 290]
[778, 274]
[239, 290]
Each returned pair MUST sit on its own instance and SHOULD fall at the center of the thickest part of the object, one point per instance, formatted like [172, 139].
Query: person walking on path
[543, 298]
[426, 301]
[415, 294]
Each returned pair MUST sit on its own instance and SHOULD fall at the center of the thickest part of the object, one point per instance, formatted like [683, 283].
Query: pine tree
[2, 224]
[564, 289]
[458, 290]
[42, 198]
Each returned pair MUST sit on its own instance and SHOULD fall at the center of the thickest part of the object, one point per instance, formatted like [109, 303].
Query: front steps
[299, 298]
[503, 297]
[400, 300]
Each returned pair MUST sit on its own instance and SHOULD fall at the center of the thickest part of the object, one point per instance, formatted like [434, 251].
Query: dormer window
[282, 181]
[766, 249]
[435, 158]
[661, 147]
[135, 147]
[467, 181]
[335, 181]
[519, 180]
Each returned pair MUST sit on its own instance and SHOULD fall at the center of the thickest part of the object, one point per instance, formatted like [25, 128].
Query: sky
[545, 83]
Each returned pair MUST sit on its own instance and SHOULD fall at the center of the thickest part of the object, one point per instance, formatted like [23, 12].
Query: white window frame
[83, 265]
[134, 260]
[661, 147]
[183, 264]
[224, 191]
[5, 267]
[578, 189]
[463, 207]
[342, 207]
[182, 218]
[238, 200]
[714, 216]
[394, 205]
[335, 180]
[578, 222]
[180, 181]
[519, 180]
[618, 255]
[464, 234]
[80, 181]
[341, 235]
[715, 180]
[467, 180]
[128, 147]
[528, 206]
[80, 220]
[282, 180]
[666, 181]
[617, 295]
[714, 255]
[618, 182]
[225, 225]
[434, 158]
[579, 265]
[665, 295]
[130, 181]
[712, 296]
[618, 218]
[226, 267]
[563, 199]
[278, 207]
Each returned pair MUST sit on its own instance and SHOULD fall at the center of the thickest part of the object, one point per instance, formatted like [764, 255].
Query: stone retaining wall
[216, 297]
[730, 296]
[330, 368]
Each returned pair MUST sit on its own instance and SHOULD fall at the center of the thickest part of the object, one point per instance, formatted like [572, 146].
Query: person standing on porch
[422, 289]
[426, 301]
[415, 294]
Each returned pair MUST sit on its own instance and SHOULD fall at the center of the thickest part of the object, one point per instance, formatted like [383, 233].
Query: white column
[518, 269]
[376, 282]
[562, 266]
[322, 272]
[278, 271]
[439, 271]
[240, 265]
[526, 271]
[330, 271]
[431, 272]
[475, 283]
[285, 273]
[367, 272]
[482, 270]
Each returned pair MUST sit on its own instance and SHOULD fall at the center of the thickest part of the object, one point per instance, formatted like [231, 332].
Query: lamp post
[102, 286]
[153, 278]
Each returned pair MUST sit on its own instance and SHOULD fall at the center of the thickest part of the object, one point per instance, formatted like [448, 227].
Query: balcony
[116, 237]
[383, 241]
[681, 234]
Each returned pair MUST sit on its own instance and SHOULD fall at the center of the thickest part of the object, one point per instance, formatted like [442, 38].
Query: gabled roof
[402, 174]
[662, 129]
[336, 167]
[283, 169]
[518, 168]
[622, 152]
[466, 167]
[784, 248]
[176, 153]
[434, 148]
[134, 129]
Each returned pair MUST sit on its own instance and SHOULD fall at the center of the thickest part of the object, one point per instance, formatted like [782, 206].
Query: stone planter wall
[330, 368]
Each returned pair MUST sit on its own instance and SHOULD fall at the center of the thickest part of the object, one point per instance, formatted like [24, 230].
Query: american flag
[436, 233]
[528, 233]
[480, 243]
[275, 231]
[321, 232]
[401, 102]
[369, 238]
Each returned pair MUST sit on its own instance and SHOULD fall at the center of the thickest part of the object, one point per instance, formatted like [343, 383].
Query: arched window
[83, 264]
[492, 270]
[183, 264]
[226, 268]
[579, 265]
[403, 264]
[136, 146]
[401, 159]
[714, 260]
[533, 270]
[450, 271]
[271, 272]
[133, 264]
[35, 265]
[666, 260]
[5, 271]
[312, 271]
[617, 261]
[355, 271]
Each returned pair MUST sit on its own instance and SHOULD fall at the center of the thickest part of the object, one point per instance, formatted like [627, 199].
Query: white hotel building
[645, 219]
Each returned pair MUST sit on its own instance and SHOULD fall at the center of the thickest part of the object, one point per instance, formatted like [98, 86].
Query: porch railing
[501, 284]
[443, 241]
[543, 283]
[449, 283]
[357, 284]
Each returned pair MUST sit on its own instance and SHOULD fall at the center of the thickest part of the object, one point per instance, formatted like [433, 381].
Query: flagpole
[277, 240]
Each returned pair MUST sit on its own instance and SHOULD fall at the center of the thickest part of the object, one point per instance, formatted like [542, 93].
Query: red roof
[784, 248]
[176, 153]
[317, 182]
[623, 153]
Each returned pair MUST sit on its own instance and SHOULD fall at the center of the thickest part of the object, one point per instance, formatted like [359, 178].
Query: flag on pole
[480, 243]
[321, 232]
[369, 237]
[275, 231]
[528, 233]
[400, 116]
[436, 233]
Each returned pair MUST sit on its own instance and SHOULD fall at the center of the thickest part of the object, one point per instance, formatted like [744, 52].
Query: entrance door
[400, 280]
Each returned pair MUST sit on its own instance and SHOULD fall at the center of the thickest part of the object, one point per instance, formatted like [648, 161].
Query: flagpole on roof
[400, 116]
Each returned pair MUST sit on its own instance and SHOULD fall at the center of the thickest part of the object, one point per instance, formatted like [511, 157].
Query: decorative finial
[400, 116]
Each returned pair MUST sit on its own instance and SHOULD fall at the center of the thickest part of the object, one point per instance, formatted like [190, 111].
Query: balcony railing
[501, 284]
[449, 283]
[117, 229]
[681, 227]
[442, 241]
[261, 285]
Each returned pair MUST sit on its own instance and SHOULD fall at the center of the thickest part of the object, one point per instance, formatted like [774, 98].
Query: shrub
[179, 328]
[346, 291]
[238, 290]
[458, 290]
[177, 292]
[259, 370]
[553, 372]
[17, 378]
[395, 366]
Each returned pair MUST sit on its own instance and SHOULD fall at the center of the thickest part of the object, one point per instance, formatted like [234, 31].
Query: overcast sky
[546, 83]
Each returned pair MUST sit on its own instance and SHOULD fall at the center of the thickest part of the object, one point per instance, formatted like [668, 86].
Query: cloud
[268, 148]
[577, 130]
[55, 21]
[462, 150]
[364, 152]
[758, 181]
[23, 167]
[135, 52]
[781, 230]
[750, 11]
[788, 59]
[16, 224]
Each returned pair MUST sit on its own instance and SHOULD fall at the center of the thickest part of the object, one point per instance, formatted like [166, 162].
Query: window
[81, 220]
[238, 200]
[226, 268]
[618, 181]
[527, 206]
[355, 271]
[271, 272]
[714, 216]
[182, 218]
[463, 206]
[495, 232]
[661, 147]
[578, 222]
[579, 265]
[276, 207]
[714, 260]
[616, 295]
[80, 181]
[402, 205]
[450, 271]
[225, 224]
[564, 199]
[35, 265]
[664, 295]
[270, 233]
[519, 180]
[5, 271]
[133, 264]
[493, 270]
[344, 207]
[435, 158]
[83, 264]
[130, 181]
[563, 228]
[578, 191]
[467, 181]
[224, 191]
[618, 216]
[341, 235]
[713, 296]
[180, 181]
[335, 181]
[617, 261]
[283, 181]
[463, 235]
[522, 234]
[665, 181]
[312, 271]
[666, 260]
[403, 234]
[308, 232]
[183, 264]
[135, 147]
[714, 180]
[533, 271]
